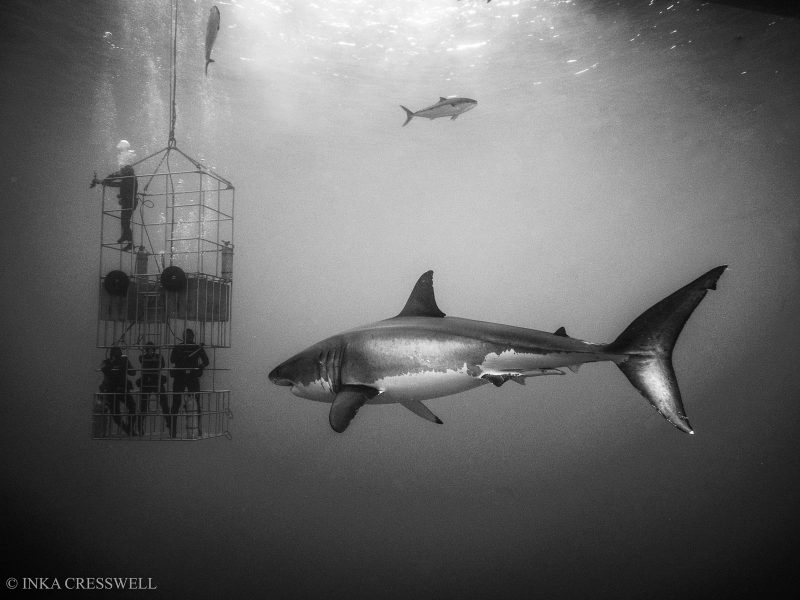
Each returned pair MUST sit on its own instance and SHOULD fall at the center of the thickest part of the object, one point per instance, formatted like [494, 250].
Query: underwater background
[618, 150]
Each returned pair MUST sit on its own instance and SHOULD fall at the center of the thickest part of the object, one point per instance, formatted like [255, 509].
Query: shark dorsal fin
[561, 332]
[421, 302]
[442, 99]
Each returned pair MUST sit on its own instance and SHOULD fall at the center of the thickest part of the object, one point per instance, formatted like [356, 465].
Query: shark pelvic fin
[421, 302]
[419, 409]
[346, 404]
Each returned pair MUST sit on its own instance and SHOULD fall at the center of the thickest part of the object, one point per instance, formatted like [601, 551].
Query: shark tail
[409, 115]
[648, 342]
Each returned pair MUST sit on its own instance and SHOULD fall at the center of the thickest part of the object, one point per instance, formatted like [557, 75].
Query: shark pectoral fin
[346, 404]
[419, 409]
[454, 117]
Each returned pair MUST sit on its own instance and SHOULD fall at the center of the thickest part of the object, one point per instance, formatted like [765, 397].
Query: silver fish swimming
[445, 107]
[422, 354]
[212, 27]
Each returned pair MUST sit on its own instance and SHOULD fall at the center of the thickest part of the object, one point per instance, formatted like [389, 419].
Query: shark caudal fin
[648, 344]
[409, 115]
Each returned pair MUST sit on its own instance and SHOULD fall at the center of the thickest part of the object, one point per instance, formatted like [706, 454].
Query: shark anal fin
[419, 409]
[422, 302]
[346, 404]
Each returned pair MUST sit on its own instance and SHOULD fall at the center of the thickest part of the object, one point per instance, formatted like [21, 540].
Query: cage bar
[176, 275]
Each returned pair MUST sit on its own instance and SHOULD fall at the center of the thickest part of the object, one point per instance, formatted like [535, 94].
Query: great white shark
[422, 354]
[445, 107]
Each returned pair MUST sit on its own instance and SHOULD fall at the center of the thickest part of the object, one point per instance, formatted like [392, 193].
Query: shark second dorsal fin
[421, 302]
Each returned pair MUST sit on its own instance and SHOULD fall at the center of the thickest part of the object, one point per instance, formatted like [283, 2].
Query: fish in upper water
[212, 27]
[422, 354]
[445, 107]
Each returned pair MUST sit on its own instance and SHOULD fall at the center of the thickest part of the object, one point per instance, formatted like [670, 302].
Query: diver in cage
[152, 382]
[125, 180]
[189, 359]
[116, 387]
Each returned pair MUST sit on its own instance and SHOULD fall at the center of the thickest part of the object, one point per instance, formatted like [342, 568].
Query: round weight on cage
[116, 283]
[173, 279]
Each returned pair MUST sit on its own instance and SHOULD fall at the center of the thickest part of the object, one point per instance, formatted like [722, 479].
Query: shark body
[445, 107]
[422, 354]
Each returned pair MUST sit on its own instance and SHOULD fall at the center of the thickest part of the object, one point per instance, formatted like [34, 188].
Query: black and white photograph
[400, 299]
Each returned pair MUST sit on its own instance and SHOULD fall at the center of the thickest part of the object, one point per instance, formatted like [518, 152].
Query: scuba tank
[227, 261]
[141, 261]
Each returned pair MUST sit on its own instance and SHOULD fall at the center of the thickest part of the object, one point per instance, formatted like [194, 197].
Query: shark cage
[165, 289]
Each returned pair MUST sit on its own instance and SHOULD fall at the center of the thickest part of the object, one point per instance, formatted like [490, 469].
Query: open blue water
[618, 151]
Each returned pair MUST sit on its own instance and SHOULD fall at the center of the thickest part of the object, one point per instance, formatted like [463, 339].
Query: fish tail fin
[648, 342]
[409, 115]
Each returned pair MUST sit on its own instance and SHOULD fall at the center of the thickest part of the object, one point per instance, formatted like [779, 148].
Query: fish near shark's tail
[409, 115]
[648, 343]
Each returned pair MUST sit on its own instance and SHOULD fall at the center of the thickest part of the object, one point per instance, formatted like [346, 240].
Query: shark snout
[278, 377]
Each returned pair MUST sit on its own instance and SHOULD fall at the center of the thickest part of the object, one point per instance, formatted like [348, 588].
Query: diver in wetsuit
[115, 388]
[189, 359]
[152, 382]
[125, 180]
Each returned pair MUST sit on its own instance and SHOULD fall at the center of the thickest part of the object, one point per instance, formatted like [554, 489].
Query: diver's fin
[409, 115]
[421, 302]
[419, 409]
[648, 344]
[346, 404]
